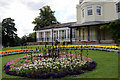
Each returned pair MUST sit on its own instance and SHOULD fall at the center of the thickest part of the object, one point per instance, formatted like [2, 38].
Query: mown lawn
[107, 65]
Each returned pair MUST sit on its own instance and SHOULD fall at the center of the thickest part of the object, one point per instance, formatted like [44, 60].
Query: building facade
[56, 32]
[90, 16]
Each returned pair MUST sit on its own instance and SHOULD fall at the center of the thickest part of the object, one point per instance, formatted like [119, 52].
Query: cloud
[64, 9]
[34, 4]
[25, 11]
[22, 14]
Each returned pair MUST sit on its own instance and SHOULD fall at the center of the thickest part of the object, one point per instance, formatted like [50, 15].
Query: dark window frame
[118, 7]
[89, 11]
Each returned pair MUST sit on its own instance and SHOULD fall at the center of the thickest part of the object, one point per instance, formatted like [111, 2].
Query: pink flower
[83, 58]
[39, 58]
[71, 54]
[79, 55]
[25, 56]
[89, 59]
[12, 66]
[62, 56]
[10, 69]
[8, 63]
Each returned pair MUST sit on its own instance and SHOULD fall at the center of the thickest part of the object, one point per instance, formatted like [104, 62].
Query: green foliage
[8, 32]
[46, 18]
[23, 40]
[104, 27]
[31, 37]
[0, 31]
[16, 41]
[114, 28]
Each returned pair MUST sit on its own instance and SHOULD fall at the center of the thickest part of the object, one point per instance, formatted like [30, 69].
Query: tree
[114, 28]
[23, 40]
[31, 37]
[17, 41]
[28, 38]
[0, 34]
[46, 18]
[8, 32]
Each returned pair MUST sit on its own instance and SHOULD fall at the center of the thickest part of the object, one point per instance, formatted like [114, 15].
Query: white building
[91, 14]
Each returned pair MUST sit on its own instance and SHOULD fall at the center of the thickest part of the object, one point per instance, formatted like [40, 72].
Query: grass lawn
[107, 65]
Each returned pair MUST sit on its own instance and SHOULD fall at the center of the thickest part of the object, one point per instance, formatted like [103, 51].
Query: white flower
[36, 67]
[30, 67]
[53, 63]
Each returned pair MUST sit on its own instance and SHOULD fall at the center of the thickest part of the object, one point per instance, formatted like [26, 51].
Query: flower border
[89, 67]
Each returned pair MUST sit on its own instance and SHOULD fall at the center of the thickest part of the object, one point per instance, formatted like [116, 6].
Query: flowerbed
[109, 48]
[17, 51]
[90, 47]
[45, 67]
[95, 46]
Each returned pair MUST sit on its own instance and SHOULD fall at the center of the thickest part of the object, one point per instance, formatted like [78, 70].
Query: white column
[44, 37]
[58, 35]
[37, 38]
[51, 36]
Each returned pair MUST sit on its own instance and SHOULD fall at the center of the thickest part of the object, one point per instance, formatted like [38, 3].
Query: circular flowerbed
[38, 66]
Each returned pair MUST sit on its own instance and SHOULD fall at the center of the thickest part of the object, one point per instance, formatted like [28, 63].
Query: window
[60, 34]
[91, 34]
[98, 10]
[89, 11]
[63, 34]
[118, 7]
[83, 34]
[83, 13]
[73, 32]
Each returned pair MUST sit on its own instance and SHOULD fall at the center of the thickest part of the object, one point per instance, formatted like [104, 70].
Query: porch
[50, 35]
[87, 32]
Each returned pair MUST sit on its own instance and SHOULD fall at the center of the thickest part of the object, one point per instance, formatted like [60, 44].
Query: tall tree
[31, 37]
[0, 34]
[8, 32]
[114, 28]
[46, 18]
[17, 41]
[23, 40]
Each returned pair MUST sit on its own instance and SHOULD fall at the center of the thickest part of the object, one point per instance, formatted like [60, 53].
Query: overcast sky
[24, 12]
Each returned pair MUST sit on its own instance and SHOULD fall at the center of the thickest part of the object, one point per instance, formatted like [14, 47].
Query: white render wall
[108, 11]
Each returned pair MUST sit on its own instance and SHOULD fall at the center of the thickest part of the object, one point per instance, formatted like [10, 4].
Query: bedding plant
[40, 66]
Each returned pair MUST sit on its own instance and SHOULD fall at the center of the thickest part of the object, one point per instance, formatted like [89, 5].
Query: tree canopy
[8, 31]
[28, 38]
[46, 18]
[114, 28]
[0, 33]
[31, 37]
